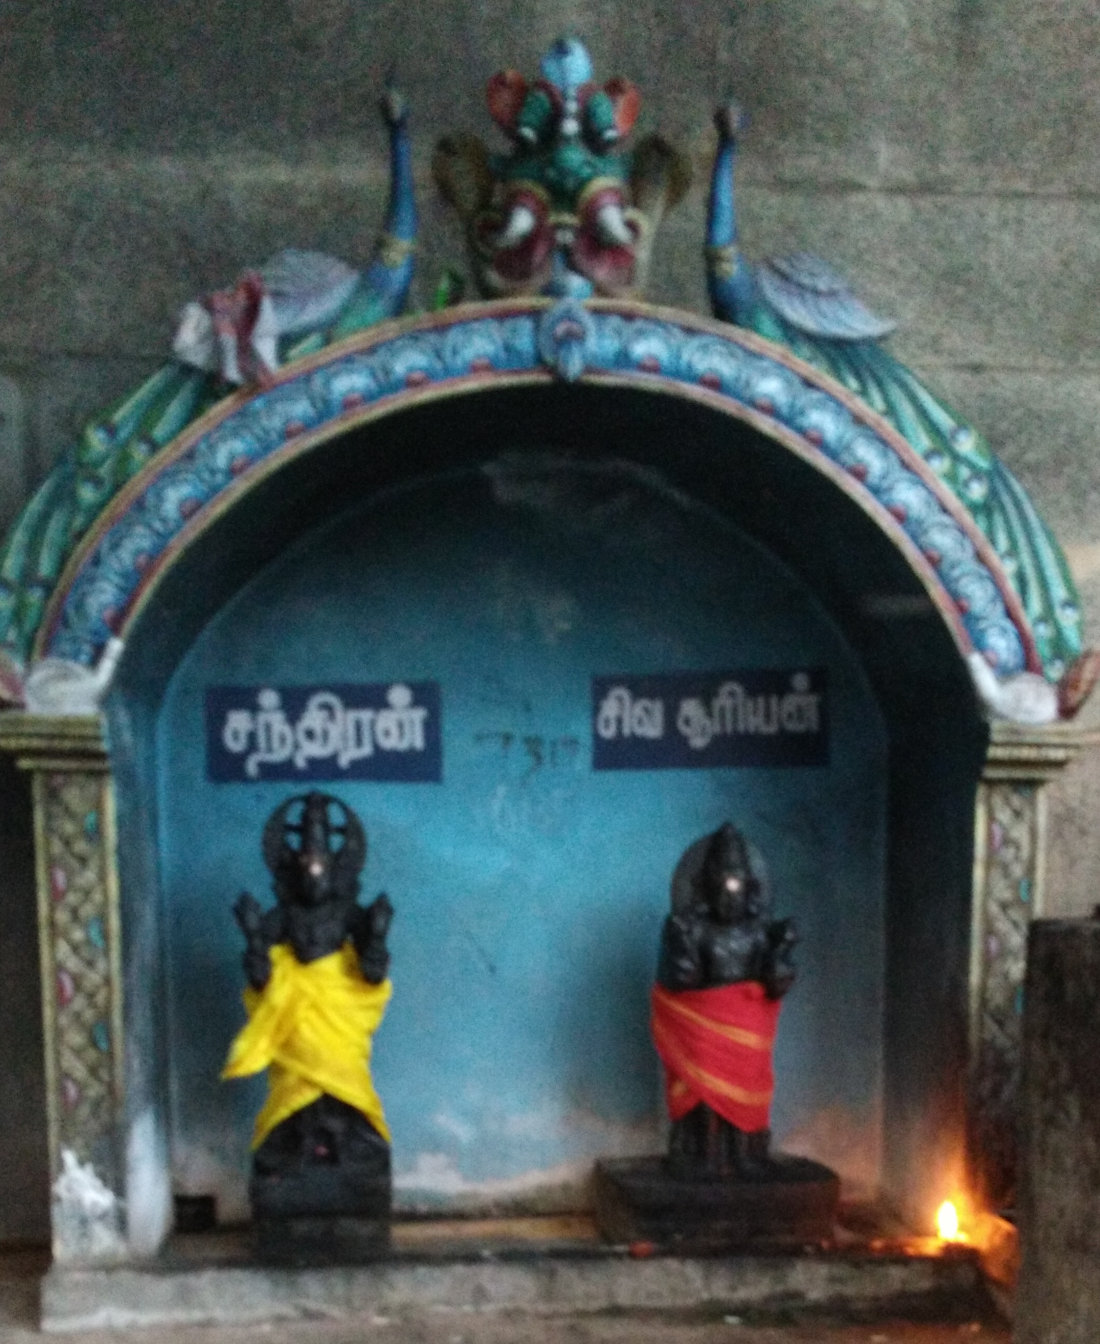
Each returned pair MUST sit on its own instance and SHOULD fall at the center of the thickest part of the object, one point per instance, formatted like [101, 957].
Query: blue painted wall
[529, 889]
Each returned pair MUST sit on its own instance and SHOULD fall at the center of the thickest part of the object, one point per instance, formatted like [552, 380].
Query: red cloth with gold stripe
[716, 1046]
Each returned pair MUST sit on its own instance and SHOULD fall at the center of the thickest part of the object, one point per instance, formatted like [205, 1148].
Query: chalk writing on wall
[384, 731]
[703, 720]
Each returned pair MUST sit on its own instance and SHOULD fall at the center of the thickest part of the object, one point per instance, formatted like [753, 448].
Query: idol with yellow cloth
[722, 971]
[316, 966]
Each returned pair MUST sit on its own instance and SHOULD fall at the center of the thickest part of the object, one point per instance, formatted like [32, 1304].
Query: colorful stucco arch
[99, 1082]
[214, 463]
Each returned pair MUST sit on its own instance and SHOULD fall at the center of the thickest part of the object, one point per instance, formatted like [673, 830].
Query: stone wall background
[943, 153]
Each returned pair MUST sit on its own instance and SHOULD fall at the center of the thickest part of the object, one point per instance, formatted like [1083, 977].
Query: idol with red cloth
[724, 966]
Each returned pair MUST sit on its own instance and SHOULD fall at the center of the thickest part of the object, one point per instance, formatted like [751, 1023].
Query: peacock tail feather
[87, 475]
[964, 462]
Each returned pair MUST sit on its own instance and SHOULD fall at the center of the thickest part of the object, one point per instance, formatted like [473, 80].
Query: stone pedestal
[323, 1239]
[1058, 1300]
[640, 1199]
[322, 1215]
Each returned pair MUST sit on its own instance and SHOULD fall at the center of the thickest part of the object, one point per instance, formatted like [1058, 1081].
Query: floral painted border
[215, 461]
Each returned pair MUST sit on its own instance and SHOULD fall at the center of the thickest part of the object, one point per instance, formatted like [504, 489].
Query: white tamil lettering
[357, 741]
[237, 730]
[274, 735]
[727, 708]
[327, 729]
[762, 714]
[648, 718]
[401, 727]
[620, 713]
[800, 707]
[695, 723]
[319, 732]
[732, 712]
[613, 715]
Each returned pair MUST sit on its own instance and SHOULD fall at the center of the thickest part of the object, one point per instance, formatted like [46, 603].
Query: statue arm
[369, 929]
[679, 964]
[260, 935]
[779, 971]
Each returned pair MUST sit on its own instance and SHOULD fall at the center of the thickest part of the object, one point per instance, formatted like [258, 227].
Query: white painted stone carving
[236, 332]
[59, 686]
[1024, 697]
[86, 1214]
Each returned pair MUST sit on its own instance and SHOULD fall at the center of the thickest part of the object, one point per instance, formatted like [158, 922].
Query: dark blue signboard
[384, 731]
[702, 720]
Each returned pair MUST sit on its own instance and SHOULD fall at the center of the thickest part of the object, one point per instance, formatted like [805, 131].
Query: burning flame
[947, 1223]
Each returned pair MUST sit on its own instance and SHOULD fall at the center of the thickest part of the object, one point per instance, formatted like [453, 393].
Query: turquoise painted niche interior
[529, 888]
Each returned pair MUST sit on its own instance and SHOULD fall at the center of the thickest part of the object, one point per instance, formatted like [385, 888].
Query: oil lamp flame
[947, 1223]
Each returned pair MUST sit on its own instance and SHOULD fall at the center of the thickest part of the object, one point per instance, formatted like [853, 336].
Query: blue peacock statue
[297, 303]
[800, 302]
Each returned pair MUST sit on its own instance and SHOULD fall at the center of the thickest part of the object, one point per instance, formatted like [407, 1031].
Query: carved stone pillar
[80, 954]
[1009, 852]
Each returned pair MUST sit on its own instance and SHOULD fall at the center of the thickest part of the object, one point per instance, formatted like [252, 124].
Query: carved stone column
[1010, 843]
[80, 954]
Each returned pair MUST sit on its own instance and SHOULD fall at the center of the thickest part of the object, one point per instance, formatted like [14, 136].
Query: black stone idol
[723, 967]
[316, 966]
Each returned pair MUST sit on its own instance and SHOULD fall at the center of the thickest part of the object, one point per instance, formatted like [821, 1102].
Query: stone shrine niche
[624, 523]
[523, 520]
[530, 885]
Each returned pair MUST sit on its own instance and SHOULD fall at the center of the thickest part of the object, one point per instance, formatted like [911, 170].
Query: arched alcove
[530, 887]
[717, 525]
[734, 490]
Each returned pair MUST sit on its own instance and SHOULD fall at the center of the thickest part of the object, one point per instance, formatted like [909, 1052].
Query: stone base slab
[322, 1215]
[332, 1239]
[641, 1199]
[592, 1280]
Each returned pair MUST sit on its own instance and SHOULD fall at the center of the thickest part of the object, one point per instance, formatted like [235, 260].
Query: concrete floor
[19, 1275]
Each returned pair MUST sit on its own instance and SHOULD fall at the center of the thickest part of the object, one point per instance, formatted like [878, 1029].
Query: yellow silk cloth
[311, 1027]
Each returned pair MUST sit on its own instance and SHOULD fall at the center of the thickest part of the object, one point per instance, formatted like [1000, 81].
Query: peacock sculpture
[297, 303]
[800, 302]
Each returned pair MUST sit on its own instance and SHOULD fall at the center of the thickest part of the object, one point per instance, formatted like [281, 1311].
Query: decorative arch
[211, 467]
[170, 511]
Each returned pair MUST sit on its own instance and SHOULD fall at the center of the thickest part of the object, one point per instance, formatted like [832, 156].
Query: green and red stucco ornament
[568, 211]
